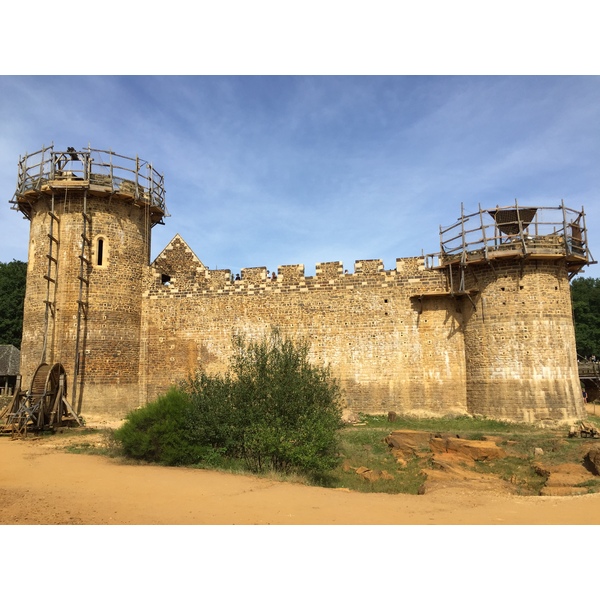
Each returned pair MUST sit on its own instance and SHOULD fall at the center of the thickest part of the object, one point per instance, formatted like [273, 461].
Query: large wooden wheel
[44, 405]
[48, 387]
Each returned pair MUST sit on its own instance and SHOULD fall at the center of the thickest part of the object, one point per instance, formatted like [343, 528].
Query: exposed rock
[563, 479]
[571, 469]
[450, 475]
[399, 456]
[475, 449]
[349, 417]
[452, 463]
[592, 460]
[372, 476]
[538, 452]
[497, 439]
[367, 474]
[438, 444]
[407, 443]
[346, 466]
[568, 479]
[386, 475]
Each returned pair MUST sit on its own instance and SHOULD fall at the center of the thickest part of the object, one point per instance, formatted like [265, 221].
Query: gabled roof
[178, 261]
[178, 243]
[10, 357]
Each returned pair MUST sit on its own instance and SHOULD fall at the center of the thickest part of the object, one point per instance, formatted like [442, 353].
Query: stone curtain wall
[389, 351]
[396, 339]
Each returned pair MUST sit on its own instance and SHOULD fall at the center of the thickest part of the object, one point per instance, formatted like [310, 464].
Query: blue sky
[274, 170]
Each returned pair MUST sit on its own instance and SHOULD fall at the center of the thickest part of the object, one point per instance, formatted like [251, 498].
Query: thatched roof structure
[10, 358]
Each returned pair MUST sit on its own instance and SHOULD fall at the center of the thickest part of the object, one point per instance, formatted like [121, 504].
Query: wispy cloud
[279, 170]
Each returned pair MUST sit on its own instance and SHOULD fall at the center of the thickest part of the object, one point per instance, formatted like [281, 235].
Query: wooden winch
[43, 407]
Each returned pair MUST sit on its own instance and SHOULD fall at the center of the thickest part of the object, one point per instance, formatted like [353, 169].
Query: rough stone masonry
[404, 339]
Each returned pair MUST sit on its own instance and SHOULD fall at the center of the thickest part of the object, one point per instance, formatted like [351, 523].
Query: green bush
[274, 410]
[292, 406]
[214, 421]
[158, 432]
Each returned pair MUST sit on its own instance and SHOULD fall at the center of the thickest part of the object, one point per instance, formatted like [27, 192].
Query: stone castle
[482, 327]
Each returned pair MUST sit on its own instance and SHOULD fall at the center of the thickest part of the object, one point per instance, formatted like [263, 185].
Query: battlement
[177, 270]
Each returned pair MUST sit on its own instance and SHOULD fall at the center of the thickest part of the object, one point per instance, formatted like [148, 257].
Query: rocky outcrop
[453, 470]
[372, 476]
[453, 461]
[564, 479]
[592, 460]
[406, 444]
[473, 449]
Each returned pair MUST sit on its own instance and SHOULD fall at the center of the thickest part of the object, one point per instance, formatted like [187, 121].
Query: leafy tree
[585, 295]
[12, 297]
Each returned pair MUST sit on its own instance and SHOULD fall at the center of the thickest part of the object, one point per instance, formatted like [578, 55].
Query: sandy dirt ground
[42, 484]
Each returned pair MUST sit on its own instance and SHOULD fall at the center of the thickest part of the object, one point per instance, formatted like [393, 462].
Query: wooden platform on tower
[514, 232]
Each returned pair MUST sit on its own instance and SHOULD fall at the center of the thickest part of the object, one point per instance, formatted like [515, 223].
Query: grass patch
[107, 446]
[459, 424]
[76, 431]
[517, 470]
[593, 486]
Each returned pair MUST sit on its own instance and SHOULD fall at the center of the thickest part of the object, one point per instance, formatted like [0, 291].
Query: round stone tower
[91, 214]
[511, 268]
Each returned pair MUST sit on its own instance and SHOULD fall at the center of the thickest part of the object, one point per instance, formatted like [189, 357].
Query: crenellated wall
[396, 339]
[385, 346]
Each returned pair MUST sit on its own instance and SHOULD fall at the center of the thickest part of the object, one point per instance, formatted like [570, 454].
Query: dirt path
[40, 484]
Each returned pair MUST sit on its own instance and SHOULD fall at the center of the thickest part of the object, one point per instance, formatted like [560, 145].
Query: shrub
[292, 407]
[214, 421]
[158, 432]
[274, 410]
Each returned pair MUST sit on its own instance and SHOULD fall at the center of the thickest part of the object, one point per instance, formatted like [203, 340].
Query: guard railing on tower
[100, 171]
[534, 233]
